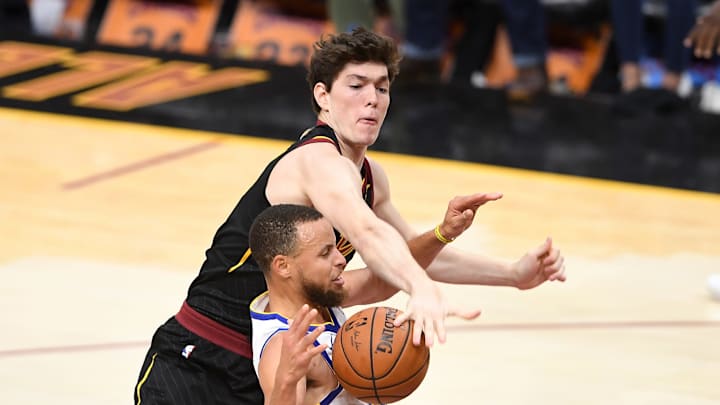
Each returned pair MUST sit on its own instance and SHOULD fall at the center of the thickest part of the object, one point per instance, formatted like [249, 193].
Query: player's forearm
[424, 248]
[387, 254]
[457, 267]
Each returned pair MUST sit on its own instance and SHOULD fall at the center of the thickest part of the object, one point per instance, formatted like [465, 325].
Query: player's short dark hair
[333, 52]
[274, 231]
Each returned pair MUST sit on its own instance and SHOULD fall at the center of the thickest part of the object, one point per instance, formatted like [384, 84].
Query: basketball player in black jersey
[202, 355]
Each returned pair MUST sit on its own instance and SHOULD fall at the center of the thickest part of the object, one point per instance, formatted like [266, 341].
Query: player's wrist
[421, 286]
[513, 272]
[443, 235]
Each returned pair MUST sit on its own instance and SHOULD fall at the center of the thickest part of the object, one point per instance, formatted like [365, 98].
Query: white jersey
[266, 324]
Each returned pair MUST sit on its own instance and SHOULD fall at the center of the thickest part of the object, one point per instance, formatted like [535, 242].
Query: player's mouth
[368, 121]
[338, 281]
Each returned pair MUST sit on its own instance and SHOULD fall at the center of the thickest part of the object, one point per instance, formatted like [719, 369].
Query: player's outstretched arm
[365, 287]
[335, 192]
[540, 264]
[704, 38]
[286, 360]
[462, 267]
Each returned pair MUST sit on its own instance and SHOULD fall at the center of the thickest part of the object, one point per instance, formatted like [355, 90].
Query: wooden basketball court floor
[104, 225]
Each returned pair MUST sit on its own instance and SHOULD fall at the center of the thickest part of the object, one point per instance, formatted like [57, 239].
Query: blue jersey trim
[331, 396]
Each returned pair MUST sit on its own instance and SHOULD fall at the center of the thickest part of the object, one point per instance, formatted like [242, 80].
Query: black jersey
[229, 278]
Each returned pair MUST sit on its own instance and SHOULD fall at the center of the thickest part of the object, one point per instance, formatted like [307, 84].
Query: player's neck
[354, 152]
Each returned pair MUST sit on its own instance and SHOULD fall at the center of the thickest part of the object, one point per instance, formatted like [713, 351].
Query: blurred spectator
[525, 21]
[628, 18]
[705, 37]
[46, 16]
[426, 34]
[346, 15]
[14, 17]
[420, 25]
[473, 49]
[350, 14]
[706, 34]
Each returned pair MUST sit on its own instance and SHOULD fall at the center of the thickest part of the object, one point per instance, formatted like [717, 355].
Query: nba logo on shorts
[188, 350]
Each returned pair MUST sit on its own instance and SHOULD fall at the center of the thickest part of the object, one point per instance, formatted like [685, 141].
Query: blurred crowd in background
[528, 47]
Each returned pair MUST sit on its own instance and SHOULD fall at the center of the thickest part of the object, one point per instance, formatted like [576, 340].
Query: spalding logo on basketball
[375, 361]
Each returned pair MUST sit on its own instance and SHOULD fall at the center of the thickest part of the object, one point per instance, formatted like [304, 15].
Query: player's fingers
[706, 41]
[299, 316]
[417, 332]
[306, 320]
[552, 257]
[714, 42]
[554, 266]
[555, 272]
[473, 201]
[312, 336]
[303, 324]
[317, 350]
[402, 318]
[711, 38]
[701, 40]
[691, 38]
[559, 275]
[696, 40]
[688, 41]
[426, 328]
[476, 200]
[543, 249]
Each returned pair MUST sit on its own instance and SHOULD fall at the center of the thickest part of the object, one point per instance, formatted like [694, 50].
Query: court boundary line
[630, 324]
[138, 166]
[499, 327]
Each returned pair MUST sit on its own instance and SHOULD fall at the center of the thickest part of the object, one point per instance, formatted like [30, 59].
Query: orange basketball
[375, 361]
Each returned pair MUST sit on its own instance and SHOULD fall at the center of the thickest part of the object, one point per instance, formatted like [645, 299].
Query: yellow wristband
[441, 237]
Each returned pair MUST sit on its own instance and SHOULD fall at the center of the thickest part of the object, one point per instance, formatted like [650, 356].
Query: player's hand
[298, 347]
[461, 212]
[705, 36]
[544, 263]
[428, 308]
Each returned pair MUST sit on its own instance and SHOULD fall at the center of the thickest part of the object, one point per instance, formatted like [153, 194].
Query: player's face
[320, 264]
[358, 102]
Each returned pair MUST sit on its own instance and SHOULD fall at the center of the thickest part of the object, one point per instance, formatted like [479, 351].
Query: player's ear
[280, 266]
[322, 95]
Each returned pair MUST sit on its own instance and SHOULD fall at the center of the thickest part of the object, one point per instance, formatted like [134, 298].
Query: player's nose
[340, 260]
[371, 96]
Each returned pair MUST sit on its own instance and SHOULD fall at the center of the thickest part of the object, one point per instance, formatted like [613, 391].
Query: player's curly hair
[274, 231]
[333, 52]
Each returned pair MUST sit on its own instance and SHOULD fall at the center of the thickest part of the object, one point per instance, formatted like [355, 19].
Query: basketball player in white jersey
[295, 247]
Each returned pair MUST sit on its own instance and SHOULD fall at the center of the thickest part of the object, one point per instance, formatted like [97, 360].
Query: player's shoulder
[318, 133]
[377, 169]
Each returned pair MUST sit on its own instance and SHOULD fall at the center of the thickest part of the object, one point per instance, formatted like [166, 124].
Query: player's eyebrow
[380, 79]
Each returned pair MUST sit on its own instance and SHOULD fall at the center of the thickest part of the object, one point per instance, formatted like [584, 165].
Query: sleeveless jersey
[266, 324]
[229, 278]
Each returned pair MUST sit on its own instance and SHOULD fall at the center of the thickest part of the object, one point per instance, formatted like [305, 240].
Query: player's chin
[369, 133]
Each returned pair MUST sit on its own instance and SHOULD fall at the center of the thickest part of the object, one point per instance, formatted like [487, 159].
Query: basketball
[375, 361]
